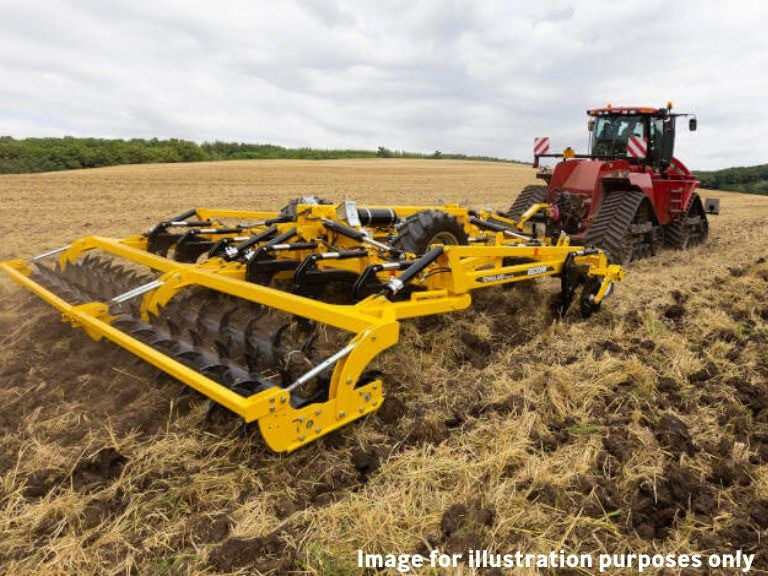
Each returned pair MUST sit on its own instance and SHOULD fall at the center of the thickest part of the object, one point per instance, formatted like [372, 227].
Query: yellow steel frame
[373, 322]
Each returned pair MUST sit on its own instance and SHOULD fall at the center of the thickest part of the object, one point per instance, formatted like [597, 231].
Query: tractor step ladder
[675, 200]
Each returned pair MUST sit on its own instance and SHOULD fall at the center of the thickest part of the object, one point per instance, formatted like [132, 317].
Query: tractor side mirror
[692, 124]
[590, 125]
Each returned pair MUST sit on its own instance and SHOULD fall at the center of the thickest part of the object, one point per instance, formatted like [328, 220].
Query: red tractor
[629, 195]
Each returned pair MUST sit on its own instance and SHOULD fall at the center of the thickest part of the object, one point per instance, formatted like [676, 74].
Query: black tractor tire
[530, 195]
[422, 229]
[680, 236]
[289, 210]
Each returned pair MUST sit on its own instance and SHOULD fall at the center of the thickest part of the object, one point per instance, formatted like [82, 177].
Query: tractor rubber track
[242, 345]
[609, 229]
[675, 235]
[528, 197]
[680, 236]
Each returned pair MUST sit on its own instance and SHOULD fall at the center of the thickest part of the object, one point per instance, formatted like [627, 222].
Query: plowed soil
[642, 429]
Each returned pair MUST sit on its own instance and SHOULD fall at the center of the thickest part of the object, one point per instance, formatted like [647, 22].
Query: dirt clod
[285, 507]
[673, 434]
[708, 372]
[366, 462]
[753, 396]
[675, 311]
[391, 410]
[619, 444]
[206, 529]
[726, 472]
[603, 498]
[428, 430]
[678, 296]
[477, 351]
[633, 318]
[99, 511]
[459, 517]
[41, 482]
[428, 543]
[462, 542]
[453, 519]
[610, 346]
[660, 504]
[263, 554]
[99, 470]
[758, 513]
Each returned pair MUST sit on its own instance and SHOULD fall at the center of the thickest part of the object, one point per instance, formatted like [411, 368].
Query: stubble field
[643, 429]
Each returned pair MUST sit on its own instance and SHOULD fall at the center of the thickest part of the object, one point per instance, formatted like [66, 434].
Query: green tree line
[751, 179]
[27, 155]
[50, 154]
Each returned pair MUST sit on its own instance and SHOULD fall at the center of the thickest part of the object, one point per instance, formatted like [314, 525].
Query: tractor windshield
[612, 132]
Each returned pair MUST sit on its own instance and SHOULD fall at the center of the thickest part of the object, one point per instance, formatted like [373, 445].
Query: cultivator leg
[243, 314]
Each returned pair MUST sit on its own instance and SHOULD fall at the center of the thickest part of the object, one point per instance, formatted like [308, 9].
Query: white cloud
[483, 77]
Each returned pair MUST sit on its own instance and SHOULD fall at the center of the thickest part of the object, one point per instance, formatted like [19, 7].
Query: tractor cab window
[612, 133]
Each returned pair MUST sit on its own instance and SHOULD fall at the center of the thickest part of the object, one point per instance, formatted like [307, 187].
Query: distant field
[126, 199]
[643, 429]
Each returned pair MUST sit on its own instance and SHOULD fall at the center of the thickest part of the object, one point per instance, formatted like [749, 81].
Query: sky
[475, 77]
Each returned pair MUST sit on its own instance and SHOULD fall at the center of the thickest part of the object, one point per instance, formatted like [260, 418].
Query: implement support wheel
[428, 227]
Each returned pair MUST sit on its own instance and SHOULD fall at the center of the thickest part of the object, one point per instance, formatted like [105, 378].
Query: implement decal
[534, 271]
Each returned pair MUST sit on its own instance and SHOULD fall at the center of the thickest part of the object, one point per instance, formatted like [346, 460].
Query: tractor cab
[627, 193]
[639, 134]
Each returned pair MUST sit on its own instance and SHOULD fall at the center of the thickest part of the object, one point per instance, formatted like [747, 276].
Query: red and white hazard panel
[679, 167]
[637, 147]
[540, 145]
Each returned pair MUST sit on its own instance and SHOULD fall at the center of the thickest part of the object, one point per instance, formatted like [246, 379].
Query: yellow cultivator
[277, 316]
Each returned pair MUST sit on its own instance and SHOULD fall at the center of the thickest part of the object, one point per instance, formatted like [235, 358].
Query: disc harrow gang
[276, 316]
